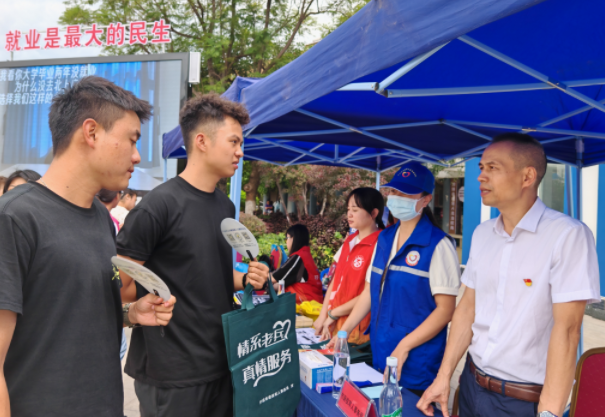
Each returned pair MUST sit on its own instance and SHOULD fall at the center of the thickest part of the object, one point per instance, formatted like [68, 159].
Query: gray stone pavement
[594, 336]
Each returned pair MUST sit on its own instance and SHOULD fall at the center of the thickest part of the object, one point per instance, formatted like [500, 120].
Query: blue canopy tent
[434, 81]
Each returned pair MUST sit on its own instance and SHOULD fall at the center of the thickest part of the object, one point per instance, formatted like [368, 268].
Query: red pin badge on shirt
[527, 282]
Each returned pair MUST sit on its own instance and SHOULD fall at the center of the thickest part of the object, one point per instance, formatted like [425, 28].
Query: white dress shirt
[549, 258]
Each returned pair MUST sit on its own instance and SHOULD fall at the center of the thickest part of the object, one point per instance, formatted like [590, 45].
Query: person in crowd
[300, 273]
[61, 315]
[365, 208]
[530, 273]
[412, 284]
[110, 200]
[19, 177]
[128, 199]
[269, 207]
[175, 232]
[2, 182]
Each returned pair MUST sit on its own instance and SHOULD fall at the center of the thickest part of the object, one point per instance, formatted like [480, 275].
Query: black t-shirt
[176, 230]
[56, 273]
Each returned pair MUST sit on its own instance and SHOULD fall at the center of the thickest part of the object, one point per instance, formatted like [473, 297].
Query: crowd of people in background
[18, 177]
[530, 274]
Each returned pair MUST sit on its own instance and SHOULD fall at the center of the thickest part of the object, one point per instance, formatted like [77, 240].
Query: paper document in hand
[239, 237]
[150, 281]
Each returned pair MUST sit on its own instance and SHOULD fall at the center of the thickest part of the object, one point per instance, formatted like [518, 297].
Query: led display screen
[26, 95]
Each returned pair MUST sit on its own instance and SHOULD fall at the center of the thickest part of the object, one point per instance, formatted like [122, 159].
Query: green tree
[347, 9]
[249, 38]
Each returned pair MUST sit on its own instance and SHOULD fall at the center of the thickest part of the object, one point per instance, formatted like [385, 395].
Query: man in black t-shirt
[175, 232]
[61, 316]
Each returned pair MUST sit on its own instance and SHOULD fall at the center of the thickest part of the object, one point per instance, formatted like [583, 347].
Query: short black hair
[369, 199]
[300, 237]
[90, 98]
[26, 174]
[129, 192]
[210, 110]
[528, 152]
[106, 196]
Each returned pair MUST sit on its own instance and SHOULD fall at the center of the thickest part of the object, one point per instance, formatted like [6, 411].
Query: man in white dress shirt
[530, 274]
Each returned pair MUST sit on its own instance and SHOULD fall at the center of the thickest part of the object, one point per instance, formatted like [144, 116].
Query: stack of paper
[360, 372]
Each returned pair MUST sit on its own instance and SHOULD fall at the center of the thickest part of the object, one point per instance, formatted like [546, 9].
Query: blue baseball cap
[413, 178]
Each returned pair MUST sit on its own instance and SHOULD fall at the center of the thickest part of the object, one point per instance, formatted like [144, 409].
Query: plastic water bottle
[391, 402]
[342, 360]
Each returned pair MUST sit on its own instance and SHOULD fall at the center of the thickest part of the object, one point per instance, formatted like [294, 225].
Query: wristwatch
[125, 309]
[545, 414]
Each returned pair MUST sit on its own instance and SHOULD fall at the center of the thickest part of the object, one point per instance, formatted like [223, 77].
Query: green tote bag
[263, 356]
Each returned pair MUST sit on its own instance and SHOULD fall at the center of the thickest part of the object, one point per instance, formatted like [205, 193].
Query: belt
[524, 392]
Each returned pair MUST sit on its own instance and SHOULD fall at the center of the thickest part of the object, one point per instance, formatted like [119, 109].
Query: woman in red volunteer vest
[299, 272]
[364, 213]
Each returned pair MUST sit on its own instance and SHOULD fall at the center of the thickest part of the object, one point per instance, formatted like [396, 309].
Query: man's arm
[258, 274]
[147, 311]
[459, 340]
[8, 320]
[561, 359]
[151, 310]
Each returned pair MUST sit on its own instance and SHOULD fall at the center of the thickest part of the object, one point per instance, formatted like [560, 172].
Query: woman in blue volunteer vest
[412, 286]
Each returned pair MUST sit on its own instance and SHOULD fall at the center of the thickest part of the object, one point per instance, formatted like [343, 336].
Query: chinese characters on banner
[453, 207]
[116, 34]
[38, 85]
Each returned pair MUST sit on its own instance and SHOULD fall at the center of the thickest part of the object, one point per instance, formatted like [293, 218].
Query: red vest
[310, 290]
[349, 281]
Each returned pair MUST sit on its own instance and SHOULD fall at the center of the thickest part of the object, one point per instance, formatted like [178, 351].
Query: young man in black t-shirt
[61, 316]
[175, 232]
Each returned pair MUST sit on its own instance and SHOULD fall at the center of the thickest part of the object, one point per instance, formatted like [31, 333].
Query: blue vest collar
[421, 236]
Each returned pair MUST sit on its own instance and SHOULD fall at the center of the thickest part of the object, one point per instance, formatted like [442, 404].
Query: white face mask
[402, 208]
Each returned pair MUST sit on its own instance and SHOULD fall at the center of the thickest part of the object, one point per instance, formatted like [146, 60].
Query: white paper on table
[362, 372]
[306, 336]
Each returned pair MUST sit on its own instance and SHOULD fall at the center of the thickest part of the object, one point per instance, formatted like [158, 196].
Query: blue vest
[405, 303]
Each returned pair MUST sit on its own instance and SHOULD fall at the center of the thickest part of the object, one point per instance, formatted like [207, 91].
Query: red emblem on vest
[358, 262]
[413, 258]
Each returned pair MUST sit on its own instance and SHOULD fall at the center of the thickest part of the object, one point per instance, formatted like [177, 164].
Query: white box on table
[314, 368]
